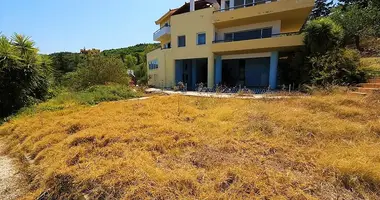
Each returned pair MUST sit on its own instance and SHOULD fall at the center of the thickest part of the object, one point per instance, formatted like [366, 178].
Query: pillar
[232, 4]
[218, 70]
[273, 70]
[223, 5]
[193, 73]
[210, 72]
[192, 5]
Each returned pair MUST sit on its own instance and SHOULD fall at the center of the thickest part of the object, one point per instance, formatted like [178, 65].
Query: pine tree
[322, 8]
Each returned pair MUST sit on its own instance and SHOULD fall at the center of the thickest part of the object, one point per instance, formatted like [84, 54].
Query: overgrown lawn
[176, 147]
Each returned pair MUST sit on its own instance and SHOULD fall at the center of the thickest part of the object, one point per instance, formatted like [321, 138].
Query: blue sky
[69, 25]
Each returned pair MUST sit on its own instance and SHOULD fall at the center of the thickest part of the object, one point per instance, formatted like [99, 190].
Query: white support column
[223, 5]
[192, 5]
[232, 4]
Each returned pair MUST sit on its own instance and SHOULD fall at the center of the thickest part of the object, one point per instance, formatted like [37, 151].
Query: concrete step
[368, 90]
[374, 80]
[370, 85]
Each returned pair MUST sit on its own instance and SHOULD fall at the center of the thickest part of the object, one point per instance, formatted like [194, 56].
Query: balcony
[162, 33]
[278, 42]
[292, 13]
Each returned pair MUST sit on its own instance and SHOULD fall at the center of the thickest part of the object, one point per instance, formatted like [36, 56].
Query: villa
[229, 42]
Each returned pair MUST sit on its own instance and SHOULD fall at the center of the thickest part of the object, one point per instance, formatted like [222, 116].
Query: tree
[130, 61]
[321, 36]
[360, 3]
[321, 9]
[98, 70]
[64, 62]
[24, 75]
[323, 60]
[358, 22]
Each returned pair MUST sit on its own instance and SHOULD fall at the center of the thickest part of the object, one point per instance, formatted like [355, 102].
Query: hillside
[175, 147]
[139, 48]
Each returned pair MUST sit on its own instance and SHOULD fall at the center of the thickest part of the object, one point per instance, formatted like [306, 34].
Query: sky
[70, 25]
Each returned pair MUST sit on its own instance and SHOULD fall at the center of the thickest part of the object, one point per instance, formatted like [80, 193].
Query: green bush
[337, 67]
[101, 93]
[322, 61]
[98, 70]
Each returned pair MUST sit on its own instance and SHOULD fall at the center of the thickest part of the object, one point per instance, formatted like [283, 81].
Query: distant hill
[65, 62]
[139, 48]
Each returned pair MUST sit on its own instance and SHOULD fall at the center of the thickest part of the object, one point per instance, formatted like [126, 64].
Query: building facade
[226, 42]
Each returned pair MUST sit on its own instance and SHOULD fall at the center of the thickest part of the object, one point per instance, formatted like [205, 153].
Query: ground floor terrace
[252, 71]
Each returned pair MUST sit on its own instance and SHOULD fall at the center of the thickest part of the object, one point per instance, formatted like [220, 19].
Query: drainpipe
[192, 5]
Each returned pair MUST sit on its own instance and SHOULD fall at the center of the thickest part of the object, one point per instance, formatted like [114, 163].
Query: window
[239, 3]
[228, 37]
[167, 45]
[153, 64]
[227, 5]
[201, 38]
[249, 3]
[248, 35]
[181, 41]
[267, 32]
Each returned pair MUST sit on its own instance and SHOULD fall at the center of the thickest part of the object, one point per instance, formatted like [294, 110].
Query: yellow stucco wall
[283, 16]
[290, 10]
[157, 77]
[190, 24]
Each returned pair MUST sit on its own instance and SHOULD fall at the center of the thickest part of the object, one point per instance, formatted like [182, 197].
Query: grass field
[176, 147]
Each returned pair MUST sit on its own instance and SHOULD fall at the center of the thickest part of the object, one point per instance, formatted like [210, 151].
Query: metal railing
[273, 35]
[257, 2]
[286, 34]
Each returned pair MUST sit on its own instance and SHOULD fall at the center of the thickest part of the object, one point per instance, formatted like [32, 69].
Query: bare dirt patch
[10, 177]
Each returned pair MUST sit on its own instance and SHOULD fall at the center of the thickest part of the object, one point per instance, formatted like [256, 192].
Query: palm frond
[23, 43]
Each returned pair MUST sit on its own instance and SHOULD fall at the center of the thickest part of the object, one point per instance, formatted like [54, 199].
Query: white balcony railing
[161, 32]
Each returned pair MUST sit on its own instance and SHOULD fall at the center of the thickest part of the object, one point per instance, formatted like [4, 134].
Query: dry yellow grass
[323, 147]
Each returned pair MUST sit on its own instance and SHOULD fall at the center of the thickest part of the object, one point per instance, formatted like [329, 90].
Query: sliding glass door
[239, 3]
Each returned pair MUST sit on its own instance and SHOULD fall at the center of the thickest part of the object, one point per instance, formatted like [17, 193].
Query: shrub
[338, 67]
[100, 93]
[323, 61]
[25, 76]
[98, 70]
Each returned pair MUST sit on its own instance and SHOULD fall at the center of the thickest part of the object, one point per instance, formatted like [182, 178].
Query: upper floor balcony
[264, 43]
[292, 13]
[162, 33]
